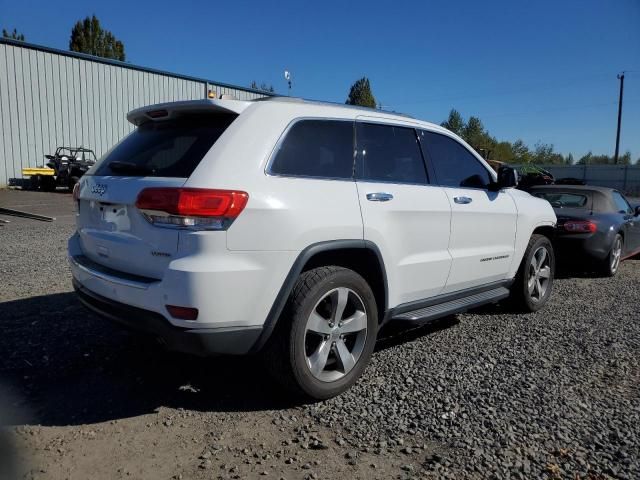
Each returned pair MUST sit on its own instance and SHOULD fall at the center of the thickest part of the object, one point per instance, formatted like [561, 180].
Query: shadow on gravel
[573, 270]
[69, 367]
[399, 333]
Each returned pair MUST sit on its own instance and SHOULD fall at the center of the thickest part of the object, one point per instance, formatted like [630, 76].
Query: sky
[542, 71]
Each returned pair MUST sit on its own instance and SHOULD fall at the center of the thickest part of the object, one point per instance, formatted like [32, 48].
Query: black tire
[609, 266]
[72, 182]
[48, 184]
[288, 349]
[33, 183]
[522, 298]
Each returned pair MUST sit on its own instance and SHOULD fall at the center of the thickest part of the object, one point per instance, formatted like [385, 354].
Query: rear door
[159, 153]
[406, 217]
[483, 222]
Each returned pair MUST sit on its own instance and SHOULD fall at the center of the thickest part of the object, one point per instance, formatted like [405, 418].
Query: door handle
[463, 200]
[379, 197]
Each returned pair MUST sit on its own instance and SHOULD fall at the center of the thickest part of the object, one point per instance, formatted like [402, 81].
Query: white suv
[298, 229]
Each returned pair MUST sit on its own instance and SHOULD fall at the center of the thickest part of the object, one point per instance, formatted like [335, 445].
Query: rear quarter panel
[283, 213]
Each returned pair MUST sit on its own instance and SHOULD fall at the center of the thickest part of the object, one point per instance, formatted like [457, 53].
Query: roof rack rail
[325, 102]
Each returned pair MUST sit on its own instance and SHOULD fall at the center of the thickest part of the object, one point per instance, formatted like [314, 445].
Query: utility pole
[621, 78]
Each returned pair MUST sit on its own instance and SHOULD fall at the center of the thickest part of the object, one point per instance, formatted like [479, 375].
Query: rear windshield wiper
[129, 167]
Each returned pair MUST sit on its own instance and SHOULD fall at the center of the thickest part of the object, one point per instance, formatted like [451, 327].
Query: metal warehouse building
[51, 98]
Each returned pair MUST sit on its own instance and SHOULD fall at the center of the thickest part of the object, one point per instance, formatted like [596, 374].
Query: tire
[72, 182]
[610, 265]
[309, 333]
[533, 283]
[48, 184]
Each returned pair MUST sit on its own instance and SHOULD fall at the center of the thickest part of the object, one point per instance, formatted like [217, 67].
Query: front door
[483, 222]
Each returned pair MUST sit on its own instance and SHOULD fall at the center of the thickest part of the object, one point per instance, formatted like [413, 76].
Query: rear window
[564, 200]
[171, 148]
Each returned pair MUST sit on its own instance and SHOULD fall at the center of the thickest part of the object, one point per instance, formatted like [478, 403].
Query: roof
[601, 200]
[227, 105]
[324, 102]
[117, 63]
[341, 110]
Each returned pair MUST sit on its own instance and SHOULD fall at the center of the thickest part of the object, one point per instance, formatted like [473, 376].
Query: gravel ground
[486, 394]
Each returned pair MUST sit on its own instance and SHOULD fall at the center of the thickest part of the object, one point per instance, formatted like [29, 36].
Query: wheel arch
[546, 230]
[361, 256]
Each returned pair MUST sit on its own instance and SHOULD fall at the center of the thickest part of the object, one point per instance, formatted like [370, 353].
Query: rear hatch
[163, 151]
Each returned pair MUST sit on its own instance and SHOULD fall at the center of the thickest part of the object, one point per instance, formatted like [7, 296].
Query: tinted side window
[621, 203]
[316, 148]
[389, 154]
[453, 164]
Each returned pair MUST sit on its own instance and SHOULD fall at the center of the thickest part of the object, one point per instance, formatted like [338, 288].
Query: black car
[594, 223]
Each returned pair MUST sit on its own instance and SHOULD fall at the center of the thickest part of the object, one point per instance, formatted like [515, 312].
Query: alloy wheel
[616, 254]
[335, 334]
[539, 274]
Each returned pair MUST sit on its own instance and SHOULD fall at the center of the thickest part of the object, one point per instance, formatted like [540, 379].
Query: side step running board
[450, 307]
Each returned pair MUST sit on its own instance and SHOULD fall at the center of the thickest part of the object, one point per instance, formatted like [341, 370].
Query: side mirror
[637, 211]
[507, 178]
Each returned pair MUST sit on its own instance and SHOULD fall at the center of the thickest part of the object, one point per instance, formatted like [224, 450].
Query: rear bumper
[199, 341]
[578, 246]
[231, 290]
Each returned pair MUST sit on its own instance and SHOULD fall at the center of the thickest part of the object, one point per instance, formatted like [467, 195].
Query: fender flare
[295, 271]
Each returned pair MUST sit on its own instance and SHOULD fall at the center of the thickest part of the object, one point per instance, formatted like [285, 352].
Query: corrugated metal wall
[50, 99]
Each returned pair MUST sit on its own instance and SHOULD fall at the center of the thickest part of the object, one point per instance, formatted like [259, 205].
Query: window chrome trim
[353, 121]
[378, 120]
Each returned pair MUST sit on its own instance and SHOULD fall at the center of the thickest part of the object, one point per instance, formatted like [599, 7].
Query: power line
[522, 89]
[550, 110]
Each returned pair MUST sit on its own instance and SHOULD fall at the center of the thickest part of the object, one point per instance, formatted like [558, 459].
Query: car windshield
[564, 199]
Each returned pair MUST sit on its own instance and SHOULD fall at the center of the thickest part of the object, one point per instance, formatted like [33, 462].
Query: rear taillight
[183, 313]
[579, 226]
[194, 208]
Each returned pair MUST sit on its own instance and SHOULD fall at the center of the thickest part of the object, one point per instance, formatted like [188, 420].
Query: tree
[87, 36]
[544, 154]
[473, 129]
[13, 35]
[476, 136]
[455, 122]
[263, 86]
[360, 94]
[503, 152]
[521, 153]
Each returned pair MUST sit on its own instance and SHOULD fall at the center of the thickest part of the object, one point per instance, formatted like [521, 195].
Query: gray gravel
[554, 394]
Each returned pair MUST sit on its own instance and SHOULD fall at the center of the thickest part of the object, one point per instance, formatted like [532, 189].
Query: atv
[64, 168]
